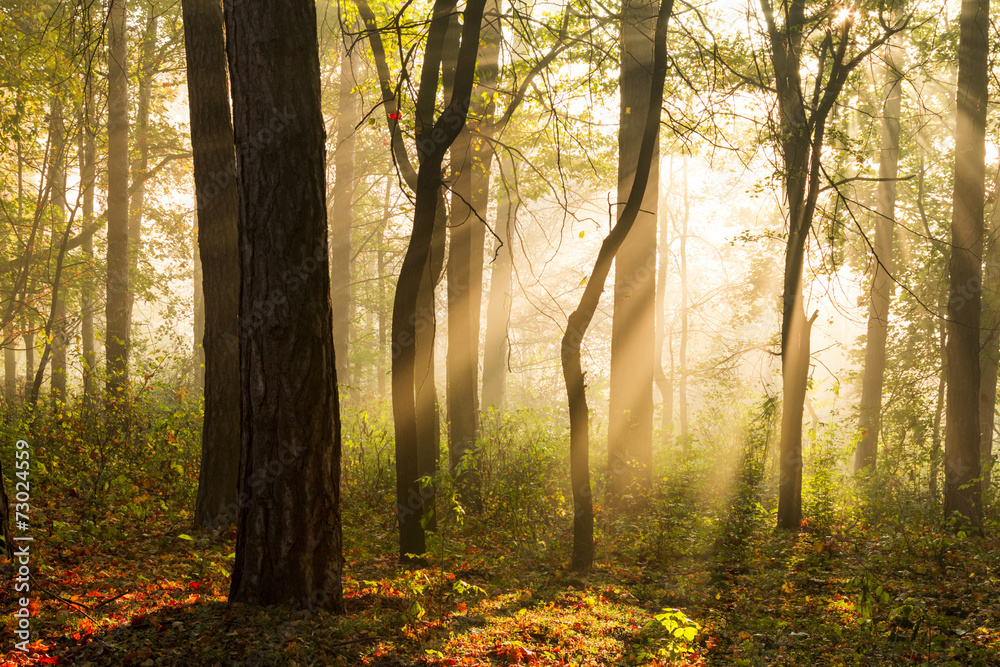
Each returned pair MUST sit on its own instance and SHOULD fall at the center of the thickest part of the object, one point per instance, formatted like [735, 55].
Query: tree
[630, 420]
[289, 540]
[116, 337]
[800, 132]
[434, 137]
[962, 490]
[343, 195]
[218, 250]
[881, 289]
[580, 319]
[495, 347]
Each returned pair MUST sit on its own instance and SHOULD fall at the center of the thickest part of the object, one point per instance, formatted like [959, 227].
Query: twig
[82, 608]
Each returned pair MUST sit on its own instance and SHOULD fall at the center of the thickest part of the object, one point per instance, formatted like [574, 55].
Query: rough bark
[630, 419]
[218, 255]
[116, 339]
[580, 319]
[962, 491]
[881, 289]
[289, 540]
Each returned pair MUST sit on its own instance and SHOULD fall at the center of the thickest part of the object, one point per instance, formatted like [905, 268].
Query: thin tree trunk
[935, 454]
[990, 343]
[88, 172]
[218, 259]
[57, 177]
[116, 315]
[147, 68]
[663, 384]
[382, 337]
[580, 319]
[962, 490]
[289, 540]
[881, 289]
[199, 311]
[416, 272]
[348, 112]
[495, 349]
[682, 385]
[10, 373]
[630, 419]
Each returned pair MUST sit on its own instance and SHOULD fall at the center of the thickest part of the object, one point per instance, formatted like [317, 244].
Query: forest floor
[145, 589]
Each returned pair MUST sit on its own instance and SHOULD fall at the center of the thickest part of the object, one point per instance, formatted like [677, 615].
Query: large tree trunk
[218, 249]
[289, 540]
[962, 492]
[881, 289]
[116, 339]
[580, 319]
[348, 111]
[630, 420]
[495, 348]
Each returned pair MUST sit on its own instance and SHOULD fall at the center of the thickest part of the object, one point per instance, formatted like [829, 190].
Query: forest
[499, 332]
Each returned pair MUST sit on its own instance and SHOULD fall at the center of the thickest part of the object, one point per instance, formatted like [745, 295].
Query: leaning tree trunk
[630, 419]
[580, 319]
[218, 260]
[116, 338]
[881, 290]
[962, 491]
[289, 540]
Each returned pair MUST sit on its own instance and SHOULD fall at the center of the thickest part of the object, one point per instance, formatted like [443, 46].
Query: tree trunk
[878, 309]
[989, 341]
[962, 491]
[57, 201]
[348, 111]
[580, 319]
[630, 420]
[382, 315]
[471, 160]
[88, 173]
[682, 362]
[495, 349]
[219, 251]
[410, 311]
[663, 383]
[116, 308]
[147, 68]
[289, 541]
[199, 310]
[10, 373]
[935, 454]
